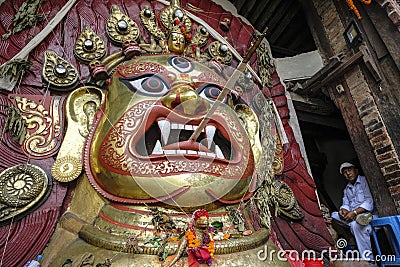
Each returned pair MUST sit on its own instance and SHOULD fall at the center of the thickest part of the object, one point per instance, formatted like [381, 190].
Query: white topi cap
[345, 165]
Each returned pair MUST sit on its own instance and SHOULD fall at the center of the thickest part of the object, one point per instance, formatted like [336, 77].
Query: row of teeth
[166, 127]
[158, 150]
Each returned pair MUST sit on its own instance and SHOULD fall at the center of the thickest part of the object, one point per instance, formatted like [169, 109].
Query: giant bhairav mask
[139, 151]
[132, 128]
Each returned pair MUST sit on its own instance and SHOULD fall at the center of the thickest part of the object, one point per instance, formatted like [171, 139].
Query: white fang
[157, 149]
[219, 153]
[210, 132]
[165, 128]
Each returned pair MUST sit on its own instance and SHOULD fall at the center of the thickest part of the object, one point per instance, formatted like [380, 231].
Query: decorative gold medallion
[120, 25]
[174, 11]
[89, 46]
[147, 18]
[288, 206]
[66, 169]
[200, 36]
[220, 52]
[58, 72]
[21, 188]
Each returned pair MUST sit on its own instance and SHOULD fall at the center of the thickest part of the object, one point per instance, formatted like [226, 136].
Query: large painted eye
[149, 85]
[181, 64]
[211, 92]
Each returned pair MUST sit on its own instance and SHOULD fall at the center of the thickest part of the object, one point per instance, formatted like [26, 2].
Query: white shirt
[358, 195]
[32, 263]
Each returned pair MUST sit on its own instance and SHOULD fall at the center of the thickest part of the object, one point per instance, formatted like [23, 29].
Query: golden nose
[184, 99]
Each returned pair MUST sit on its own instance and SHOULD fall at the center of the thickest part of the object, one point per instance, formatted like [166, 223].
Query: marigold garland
[353, 7]
[193, 242]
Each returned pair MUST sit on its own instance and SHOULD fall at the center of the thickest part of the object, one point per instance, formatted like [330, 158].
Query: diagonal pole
[229, 84]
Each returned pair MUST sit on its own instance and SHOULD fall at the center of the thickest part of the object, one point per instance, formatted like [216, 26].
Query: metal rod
[229, 84]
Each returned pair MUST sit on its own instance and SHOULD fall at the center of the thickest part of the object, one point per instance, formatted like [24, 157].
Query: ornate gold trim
[200, 37]
[168, 14]
[266, 64]
[44, 124]
[21, 187]
[89, 46]
[119, 26]
[58, 73]
[98, 238]
[220, 52]
[81, 106]
[147, 18]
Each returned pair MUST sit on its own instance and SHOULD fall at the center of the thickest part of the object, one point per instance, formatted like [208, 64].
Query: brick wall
[392, 8]
[374, 126]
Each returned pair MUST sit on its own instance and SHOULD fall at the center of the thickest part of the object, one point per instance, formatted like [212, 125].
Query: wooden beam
[312, 105]
[300, 42]
[239, 4]
[256, 12]
[283, 51]
[247, 7]
[268, 13]
[328, 121]
[333, 63]
[283, 10]
[285, 20]
[321, 79]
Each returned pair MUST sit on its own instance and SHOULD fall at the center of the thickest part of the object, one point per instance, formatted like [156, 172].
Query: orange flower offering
[193, 242]
[200, 251]
[353, 7]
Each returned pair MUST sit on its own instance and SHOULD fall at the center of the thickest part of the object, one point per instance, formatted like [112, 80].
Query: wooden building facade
[361, 80]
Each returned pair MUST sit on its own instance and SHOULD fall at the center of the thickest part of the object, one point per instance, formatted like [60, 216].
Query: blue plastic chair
[392, 225]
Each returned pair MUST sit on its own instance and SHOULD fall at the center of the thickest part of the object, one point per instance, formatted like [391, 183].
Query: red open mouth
[166, 133]
[138, 146]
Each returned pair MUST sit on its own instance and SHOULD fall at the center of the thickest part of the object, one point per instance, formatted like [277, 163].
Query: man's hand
[343, 213]
[348, 216]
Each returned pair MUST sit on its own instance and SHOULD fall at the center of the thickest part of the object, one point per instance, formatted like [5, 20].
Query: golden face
[140, 151]
[176, 42]
[201, 222]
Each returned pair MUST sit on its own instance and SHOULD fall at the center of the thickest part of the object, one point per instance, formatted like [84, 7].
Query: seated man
[356, 209]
